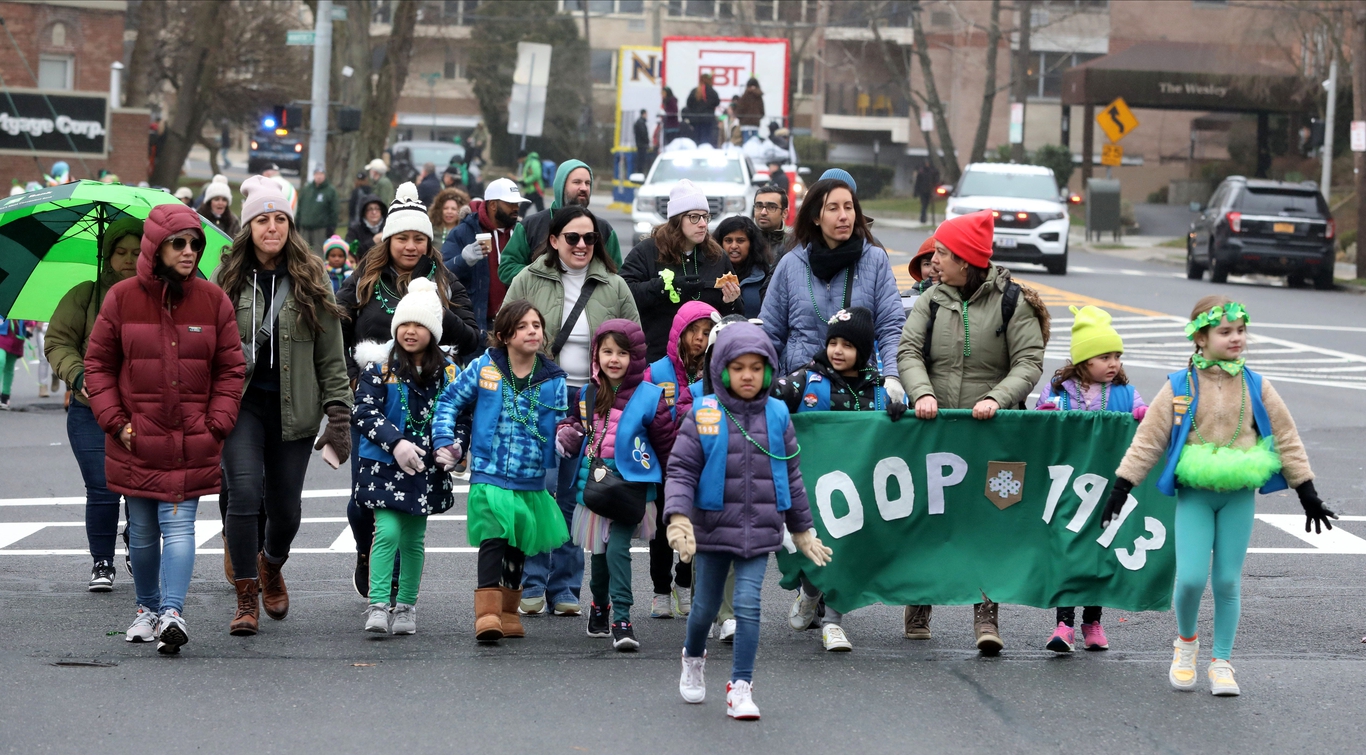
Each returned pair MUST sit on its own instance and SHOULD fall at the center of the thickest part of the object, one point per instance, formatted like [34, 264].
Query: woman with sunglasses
[572, 264]
[680, 262]
[289, 325]
[164, 374]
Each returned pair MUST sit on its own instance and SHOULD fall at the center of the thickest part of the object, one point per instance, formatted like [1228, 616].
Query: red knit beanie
[968, 236]
[926, 250]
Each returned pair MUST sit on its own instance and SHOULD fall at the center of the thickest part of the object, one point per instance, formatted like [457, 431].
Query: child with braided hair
[516, 396]
[1225, 433]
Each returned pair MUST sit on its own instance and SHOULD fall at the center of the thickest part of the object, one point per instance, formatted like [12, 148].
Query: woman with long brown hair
[404, 251]
[291, 332]
[679, 262]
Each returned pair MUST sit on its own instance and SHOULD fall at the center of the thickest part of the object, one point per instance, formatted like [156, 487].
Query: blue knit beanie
[840, 174]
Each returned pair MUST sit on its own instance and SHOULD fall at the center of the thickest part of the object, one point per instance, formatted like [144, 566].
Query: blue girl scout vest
[1185, 396]
[1118, 398]
[816, 397]
[662, 374]
[713, 431]
[488, 407]
[636, 460]
[395, 391]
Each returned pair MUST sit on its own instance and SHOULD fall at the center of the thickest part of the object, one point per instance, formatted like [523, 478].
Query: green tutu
[529, 520]
[1225, 470]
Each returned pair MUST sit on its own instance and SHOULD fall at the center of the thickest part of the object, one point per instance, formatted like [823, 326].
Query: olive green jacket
[68, 332]
[540, 284]
[312, 365]
[1001, 367]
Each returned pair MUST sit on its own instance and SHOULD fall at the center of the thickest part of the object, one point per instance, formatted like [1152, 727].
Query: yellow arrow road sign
[1117, 120]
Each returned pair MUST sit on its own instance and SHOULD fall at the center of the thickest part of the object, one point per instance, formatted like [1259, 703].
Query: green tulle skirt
[1225, 470]
[529, 520]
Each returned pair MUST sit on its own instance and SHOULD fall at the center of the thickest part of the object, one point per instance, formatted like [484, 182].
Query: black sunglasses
[589, 239]
[196, 245]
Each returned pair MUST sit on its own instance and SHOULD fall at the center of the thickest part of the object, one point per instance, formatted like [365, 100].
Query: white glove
[448, 456]
[473, 253]
[895, 393]
[409, 457]
[811, 547]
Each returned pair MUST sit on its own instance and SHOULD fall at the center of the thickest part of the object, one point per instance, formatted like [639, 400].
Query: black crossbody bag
[607, 493]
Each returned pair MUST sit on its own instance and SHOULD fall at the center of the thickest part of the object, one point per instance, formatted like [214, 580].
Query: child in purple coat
[733, 488]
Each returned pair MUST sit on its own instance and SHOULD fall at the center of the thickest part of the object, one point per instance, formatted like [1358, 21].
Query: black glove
[1115, 503]
[1314, 511]
[337, 432]
[895, 409]
[691, 287]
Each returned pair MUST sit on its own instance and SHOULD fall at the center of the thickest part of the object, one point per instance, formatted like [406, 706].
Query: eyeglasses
[768, 206]
[573, 239]
[698, 218]
[196, 245]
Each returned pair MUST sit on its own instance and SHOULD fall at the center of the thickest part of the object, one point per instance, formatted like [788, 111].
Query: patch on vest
[1180, 404]
[708, 421]
[815, 377]
[670, 391]
[1005, 483]
[809, 399]
[490, 378]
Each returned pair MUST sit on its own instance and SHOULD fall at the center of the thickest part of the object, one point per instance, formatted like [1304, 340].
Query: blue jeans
[161, 543]
[101, 503]
[709, 581]
[559, 573]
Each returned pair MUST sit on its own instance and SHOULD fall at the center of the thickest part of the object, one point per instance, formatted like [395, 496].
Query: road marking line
[14, 532]
[1335, 541]
[79, 500]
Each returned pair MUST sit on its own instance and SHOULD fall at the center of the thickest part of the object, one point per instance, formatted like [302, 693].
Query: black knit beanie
[854, 325]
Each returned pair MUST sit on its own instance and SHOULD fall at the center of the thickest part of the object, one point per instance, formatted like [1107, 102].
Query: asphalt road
[315, 683]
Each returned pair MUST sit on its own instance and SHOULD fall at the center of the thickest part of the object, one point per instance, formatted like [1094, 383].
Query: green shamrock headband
[1233, 311]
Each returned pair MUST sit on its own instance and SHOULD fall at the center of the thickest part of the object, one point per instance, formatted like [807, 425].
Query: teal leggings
[1211, 523]
[610, 581]
[396, 531]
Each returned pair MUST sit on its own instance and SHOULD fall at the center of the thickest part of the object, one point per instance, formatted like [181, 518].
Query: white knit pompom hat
[685, 197]
[407, 213]
[420, 305]
[218, 187]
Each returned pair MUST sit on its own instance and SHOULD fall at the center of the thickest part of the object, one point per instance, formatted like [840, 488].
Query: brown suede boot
[488, 614]
[917, 622]
[245, 623]
[512, 623]
[274, 596]
[227, 562]
[986, 625]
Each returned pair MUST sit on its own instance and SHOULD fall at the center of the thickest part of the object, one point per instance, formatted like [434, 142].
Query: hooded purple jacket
[662, 428]
[749, 524]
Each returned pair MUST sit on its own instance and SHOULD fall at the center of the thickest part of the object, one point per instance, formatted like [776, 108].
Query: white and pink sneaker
[740, 701]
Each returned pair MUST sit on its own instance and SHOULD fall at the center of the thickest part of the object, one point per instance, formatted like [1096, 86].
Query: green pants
[396, 531]
[7, 370]
[611, 577]
[1214, 527]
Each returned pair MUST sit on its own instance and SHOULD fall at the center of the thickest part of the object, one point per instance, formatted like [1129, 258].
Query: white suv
[1031, 213]
[725, 175]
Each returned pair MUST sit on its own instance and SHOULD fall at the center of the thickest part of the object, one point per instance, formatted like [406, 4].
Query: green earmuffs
[768, 377]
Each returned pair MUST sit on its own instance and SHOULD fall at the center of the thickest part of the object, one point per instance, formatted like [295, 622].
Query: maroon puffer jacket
[173, 368]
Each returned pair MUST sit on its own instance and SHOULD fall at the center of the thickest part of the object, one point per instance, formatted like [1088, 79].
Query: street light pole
[322, 74]
[1326, 178]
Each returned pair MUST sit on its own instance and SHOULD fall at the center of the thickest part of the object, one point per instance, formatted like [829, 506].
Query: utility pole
[1358, 17]
[1022, 61]
[322, 78]
[1326, 177]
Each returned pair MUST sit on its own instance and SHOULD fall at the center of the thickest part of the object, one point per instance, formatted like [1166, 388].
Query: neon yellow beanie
[1092, 334]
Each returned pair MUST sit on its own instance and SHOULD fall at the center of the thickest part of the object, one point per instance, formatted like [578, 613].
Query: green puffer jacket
[312, 365]
[540, 284]
[1001, 367]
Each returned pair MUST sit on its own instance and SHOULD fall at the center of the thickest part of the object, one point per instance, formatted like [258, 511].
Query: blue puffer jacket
[791, 322]
[476, 279]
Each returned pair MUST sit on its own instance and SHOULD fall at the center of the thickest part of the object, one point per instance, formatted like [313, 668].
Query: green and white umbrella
[50, 240]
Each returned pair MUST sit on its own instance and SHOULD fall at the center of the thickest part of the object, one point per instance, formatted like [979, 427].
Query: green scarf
[1232, 367]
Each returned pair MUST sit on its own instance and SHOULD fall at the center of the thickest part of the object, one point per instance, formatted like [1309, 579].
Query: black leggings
[1089, 615]
[262, 471]
[662, 561]
[500, 564]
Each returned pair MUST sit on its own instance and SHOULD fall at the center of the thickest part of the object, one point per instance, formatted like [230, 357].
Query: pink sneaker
[1064, 639]
[1093, 635]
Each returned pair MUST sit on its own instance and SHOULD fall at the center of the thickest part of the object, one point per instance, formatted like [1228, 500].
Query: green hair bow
[1233, 311]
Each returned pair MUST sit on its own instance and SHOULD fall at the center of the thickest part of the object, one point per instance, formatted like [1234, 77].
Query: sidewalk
[1149, 249]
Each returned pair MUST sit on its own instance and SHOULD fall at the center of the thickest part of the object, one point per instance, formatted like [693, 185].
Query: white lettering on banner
[1089, 488]
[901, 507]
[1060, 474]
[1136, 560]
[1108, 536]
[826, 487]
[40, 126]
[936, 480]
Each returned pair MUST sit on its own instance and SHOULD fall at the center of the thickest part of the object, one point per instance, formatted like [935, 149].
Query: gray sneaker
[144, 627]
[377, 618]
[661, 608]
[405, 619]
[172, 632]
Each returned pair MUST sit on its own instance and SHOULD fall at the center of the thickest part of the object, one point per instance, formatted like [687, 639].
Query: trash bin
[1102, 208]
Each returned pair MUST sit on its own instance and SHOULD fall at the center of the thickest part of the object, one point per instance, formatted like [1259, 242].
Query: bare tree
[197, 67]
[989, 90]
[378, 113]
[143, 58]
[1358, 28]
[951, 170]
[351, 48]
[1020, 71]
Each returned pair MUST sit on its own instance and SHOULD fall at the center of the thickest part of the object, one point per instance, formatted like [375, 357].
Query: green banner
[944, 511]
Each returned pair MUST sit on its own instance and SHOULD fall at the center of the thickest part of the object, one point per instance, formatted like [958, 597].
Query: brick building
[65, 51]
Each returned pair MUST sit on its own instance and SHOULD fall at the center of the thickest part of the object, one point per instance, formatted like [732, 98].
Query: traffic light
[348, 119]
[1315, 139]
[286, 116]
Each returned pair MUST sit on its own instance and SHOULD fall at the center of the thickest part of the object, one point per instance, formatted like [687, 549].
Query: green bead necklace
[811, 291]
[1242, 409]
[511, 394]
[967, 334]
[767, 452]
[413, 424]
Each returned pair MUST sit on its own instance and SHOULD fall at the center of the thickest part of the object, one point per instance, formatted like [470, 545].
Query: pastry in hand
[727, 278]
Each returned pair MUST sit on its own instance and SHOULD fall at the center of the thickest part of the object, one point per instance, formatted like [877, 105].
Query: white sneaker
[833, 638]
[660, 608]
[803, 611]
[726, 633]
[173, 632]
[532, 606]
[567, 608]
[144, 628]
[682, 600]
[1221, 683]
[740, 701]
[377, 618]
[1182, 672]
[405, 619]
[692, 684]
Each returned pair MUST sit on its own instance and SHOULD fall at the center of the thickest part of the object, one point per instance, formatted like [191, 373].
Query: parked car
[1254, 225]
[275, 145]
[725, 175]
[1032, 222]
[407, 158]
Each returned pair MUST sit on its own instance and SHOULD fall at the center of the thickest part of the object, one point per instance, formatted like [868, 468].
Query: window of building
[941, 19]
[806, 76]
[700, 8]
[600, 66]
[798, 11]
[459, 12]
[59, 34]
[765, 10]
[630, 6]
[54, 72]
[455, 63]
[1045, 75]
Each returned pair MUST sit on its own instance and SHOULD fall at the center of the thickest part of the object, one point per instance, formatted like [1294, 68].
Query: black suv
[1259, 226]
